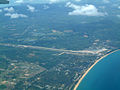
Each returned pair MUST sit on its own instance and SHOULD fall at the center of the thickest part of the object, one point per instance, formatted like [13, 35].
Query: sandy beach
[76, 86]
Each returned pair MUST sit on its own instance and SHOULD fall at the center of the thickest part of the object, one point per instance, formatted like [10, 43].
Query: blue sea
[105, 75]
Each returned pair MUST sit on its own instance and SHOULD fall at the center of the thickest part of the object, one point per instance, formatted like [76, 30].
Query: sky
[56, 1]
[37, 1]
[90, 9]
[14, 2]
[17, 2]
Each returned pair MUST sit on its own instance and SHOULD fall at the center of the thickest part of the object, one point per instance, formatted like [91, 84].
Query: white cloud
[118, 16]
[78, 0]
[19, 1]
[15, 15]
[53, 1]
[27, 1]
[118, 7]
[12, 14]
[38, 1]
[106, 1]
[31, 8]
[10, 9]
[71, 5]
[45, 7]
[87, 10]
[0, 10]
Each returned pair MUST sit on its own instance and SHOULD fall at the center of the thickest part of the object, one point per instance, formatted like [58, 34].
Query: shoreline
[80, 80]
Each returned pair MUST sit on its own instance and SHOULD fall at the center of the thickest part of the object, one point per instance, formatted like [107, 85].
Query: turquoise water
[105, 75]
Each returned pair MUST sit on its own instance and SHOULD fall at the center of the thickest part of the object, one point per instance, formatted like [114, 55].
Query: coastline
[80, 80]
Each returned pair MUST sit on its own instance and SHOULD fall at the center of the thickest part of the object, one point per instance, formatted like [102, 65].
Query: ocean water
[105, 75]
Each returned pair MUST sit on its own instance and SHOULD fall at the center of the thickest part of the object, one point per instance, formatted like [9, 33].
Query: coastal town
[28, 74]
